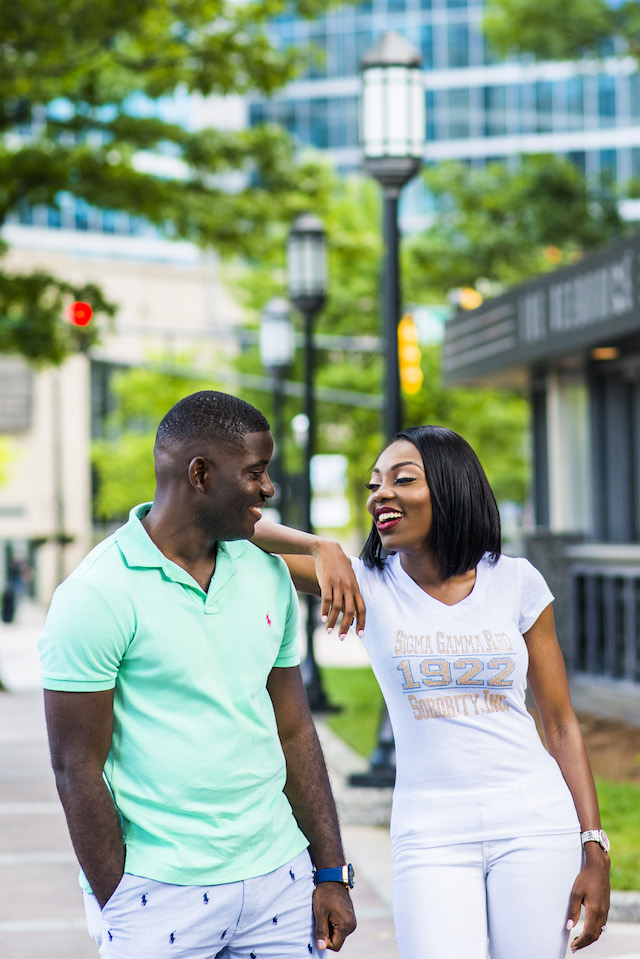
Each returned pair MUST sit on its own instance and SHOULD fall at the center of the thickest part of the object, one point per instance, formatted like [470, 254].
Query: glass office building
[479, 108]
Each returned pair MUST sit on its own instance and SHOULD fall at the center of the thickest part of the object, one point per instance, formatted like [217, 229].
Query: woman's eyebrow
[398, 465]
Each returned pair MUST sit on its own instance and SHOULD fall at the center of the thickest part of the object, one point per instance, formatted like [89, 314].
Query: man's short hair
[210, 415]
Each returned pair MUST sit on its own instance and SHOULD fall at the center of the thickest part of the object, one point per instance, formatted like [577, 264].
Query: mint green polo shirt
[195, 767]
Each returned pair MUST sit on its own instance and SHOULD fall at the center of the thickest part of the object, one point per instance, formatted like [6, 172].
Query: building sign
[592, 303]
[16, 395]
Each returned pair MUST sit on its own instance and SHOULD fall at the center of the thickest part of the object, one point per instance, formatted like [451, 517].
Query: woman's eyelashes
[399, 480]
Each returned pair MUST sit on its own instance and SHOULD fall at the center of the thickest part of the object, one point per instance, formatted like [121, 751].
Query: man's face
[239, 487]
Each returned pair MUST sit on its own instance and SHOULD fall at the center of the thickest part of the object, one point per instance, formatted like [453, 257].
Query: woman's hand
[590, 889]
[338, 588]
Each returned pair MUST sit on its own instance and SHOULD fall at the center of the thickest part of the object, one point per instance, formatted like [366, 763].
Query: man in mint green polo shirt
[184, 752]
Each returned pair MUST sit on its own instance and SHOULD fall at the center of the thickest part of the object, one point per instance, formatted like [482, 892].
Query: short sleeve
[289, 654]
[84, 639]
[535, 595]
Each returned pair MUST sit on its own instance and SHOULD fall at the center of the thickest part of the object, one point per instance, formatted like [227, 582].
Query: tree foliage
[508, 226]
[563, 31]
[123, 457]
[494, 422]
[85, 86]
[500, 225]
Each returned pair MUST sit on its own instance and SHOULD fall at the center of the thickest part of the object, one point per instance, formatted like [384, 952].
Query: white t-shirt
[470, 763]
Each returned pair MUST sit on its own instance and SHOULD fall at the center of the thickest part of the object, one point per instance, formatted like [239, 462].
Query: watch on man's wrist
[596, 835]
[343, 874]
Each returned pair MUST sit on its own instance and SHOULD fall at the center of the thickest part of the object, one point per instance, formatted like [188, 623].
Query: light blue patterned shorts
[268, 917]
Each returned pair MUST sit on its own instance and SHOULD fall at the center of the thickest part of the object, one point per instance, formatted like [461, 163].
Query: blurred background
[357, 217]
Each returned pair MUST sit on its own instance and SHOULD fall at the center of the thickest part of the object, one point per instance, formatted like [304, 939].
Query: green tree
[563, 31]
[123, 457]
[508, 226]
[82, 87]
[496, 224]
[494, 422]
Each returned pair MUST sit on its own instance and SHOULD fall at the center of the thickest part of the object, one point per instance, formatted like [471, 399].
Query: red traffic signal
[80, 313]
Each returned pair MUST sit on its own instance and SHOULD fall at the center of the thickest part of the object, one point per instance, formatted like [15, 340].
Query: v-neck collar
[418, 593]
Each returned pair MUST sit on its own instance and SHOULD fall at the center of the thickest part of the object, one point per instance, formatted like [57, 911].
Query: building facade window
[458, 45]
[606, 101]
[495, 111]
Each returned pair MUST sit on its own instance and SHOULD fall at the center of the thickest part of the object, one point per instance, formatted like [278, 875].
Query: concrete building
[572, 340]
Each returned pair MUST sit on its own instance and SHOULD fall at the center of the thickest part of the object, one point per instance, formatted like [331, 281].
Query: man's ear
[199, 471]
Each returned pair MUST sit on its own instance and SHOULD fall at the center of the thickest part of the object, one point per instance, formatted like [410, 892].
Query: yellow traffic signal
[470, 299]
[409, 356]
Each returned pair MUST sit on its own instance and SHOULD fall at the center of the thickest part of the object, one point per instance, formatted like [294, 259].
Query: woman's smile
[399, 498]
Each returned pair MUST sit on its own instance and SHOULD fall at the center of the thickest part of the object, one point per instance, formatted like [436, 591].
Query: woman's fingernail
[570, 924]
[325, 618]
[322, 944]
[329, 629]
[361, 633]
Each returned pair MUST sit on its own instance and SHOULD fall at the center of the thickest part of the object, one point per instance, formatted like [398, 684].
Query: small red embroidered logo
[268, 619]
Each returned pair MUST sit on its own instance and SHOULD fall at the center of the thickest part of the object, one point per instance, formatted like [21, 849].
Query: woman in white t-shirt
[496, 841]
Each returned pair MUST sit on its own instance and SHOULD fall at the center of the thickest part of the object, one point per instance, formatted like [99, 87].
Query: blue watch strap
[343, 874]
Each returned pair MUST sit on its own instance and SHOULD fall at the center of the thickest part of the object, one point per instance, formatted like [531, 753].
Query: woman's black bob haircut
[466, 521]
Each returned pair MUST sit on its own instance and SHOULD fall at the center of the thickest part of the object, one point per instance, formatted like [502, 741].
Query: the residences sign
[592, 303]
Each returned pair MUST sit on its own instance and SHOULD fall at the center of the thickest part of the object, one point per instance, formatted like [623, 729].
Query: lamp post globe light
[277, 348]
[393, 134]
[307, 282]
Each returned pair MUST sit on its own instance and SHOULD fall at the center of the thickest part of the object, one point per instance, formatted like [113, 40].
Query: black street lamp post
[393, 129]
[393, 133]
[307, 279]
[277, 348]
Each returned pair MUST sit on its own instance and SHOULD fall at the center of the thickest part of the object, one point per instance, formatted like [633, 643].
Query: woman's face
[399, 499]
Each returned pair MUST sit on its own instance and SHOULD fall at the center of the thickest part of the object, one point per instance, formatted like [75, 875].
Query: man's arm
[80, 727]
[317, 566]
[309, 792]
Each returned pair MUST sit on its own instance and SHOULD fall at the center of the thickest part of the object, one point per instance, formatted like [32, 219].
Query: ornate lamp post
[307, 280]
[393, 133]
[277, 348]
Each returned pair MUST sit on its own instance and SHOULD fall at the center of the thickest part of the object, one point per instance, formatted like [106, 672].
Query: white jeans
[509, 896]
[268, 917]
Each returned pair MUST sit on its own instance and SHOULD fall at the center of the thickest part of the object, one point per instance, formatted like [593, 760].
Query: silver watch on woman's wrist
[596, 835]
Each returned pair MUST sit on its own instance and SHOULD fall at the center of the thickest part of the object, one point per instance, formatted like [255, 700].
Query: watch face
[350, 875]
[604, 841]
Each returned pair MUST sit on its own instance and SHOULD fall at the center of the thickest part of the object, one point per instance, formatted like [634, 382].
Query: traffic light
[470, 298]
[409, 356]
[80, 313]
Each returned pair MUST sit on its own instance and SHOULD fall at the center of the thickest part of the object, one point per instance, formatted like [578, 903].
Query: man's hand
[338, 588]
[80, 727]
[334, 915]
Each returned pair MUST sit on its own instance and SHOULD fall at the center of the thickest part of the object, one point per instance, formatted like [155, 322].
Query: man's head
[211, 452]
[214, 417]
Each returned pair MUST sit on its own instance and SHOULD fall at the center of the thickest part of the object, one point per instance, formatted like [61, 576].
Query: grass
[358, 695]
[619, 805]
[356, 691]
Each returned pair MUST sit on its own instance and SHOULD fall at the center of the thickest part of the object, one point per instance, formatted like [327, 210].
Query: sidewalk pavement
[41, 911]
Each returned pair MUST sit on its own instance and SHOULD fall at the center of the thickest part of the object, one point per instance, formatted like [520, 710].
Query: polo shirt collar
[139, 550]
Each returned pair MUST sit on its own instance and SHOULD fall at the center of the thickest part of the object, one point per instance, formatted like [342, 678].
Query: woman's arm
[548, 682]
[318, 566]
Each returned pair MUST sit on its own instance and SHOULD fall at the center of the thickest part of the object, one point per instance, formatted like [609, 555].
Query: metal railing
[605, 588]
